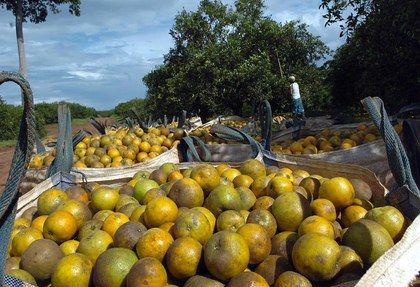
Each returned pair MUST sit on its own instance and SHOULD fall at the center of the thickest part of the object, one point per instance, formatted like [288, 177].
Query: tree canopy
[381, 55]
[225, 58]
[37, 11]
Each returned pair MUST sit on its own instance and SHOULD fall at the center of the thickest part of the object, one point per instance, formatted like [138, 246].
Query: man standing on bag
[297, 106]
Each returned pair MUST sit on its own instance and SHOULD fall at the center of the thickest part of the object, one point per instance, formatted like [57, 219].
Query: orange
[206, 176]
[22, 221]
[350, 261]
[300, 173]
[264, 218]
[183, 257]
[324, 208]
[23, 239]
[272, 267]
[94, 244]
[104, 198]
[263, 202]
[112, 267]
[296, 147]
[23, 275]
[78, 209]
[259, 185]
[258, 240]
[78, 192]
[248, 198]
[222, 167]
[123, 200]
[69, 246]
[113, 222]
[226, 254]
[221, 198]
[154, 242]
[311, 184]
[369, 239]
[292, 278]
[147, 272]
[391, 219]
[279, 185]
[137, 214]
[193, 223]
[72, 270]
[242, 180]
[38, 222]
[30, 213]
[351, 214]
[253, 168]
[312, 248]
[141, 156]
[152, 194]
[102, 214]
[210, 216]
[145, 147]
[186, 192]
[290, 209]
[160, 210]
[88, 227]
[229, 220]
[282, 244]
[230, 173]
[50, 199]
[248, 279]
[142, 186]
[339, 191]
[60, 226]
[315, 223]
[175, 175]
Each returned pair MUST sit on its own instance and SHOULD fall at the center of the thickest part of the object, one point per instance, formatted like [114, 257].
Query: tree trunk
[20, 42]
[278, 62]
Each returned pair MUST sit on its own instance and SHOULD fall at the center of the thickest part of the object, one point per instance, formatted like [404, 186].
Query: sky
[99, 59]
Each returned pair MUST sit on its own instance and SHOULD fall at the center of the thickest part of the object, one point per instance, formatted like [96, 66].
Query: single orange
[154, 242]
[60, 226]
[159, 211]
[258, 240]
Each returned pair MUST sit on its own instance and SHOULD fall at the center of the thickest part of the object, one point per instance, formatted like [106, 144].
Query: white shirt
[294, 90]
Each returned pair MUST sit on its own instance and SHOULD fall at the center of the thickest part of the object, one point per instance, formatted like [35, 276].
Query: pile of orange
[330, 140]
[208, 225]
[120, 147]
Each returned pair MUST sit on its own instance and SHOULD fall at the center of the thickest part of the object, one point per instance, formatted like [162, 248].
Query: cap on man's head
[292, 78]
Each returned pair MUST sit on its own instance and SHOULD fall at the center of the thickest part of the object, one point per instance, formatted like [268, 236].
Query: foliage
[37, 11]
[224, 59]
[10, 119]
[380, 58]
[49, 111]
[123, 110]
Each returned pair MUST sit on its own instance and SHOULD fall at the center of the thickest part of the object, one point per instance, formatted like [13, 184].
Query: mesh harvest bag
[20, 162]
[405, 194]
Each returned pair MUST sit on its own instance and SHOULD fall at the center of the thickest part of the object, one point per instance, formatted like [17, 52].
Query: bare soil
[6, 153]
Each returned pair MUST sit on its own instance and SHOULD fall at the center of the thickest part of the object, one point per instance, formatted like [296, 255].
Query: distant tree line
[45, 114]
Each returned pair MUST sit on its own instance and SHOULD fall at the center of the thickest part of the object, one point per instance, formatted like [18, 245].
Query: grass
[8, 143]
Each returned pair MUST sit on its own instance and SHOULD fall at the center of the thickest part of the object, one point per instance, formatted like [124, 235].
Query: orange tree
[225, 57]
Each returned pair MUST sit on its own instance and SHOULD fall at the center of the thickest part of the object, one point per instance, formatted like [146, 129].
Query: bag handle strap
[20, 162]
[266, 116]
[397, 157]
[189, 150]
[63, 160]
